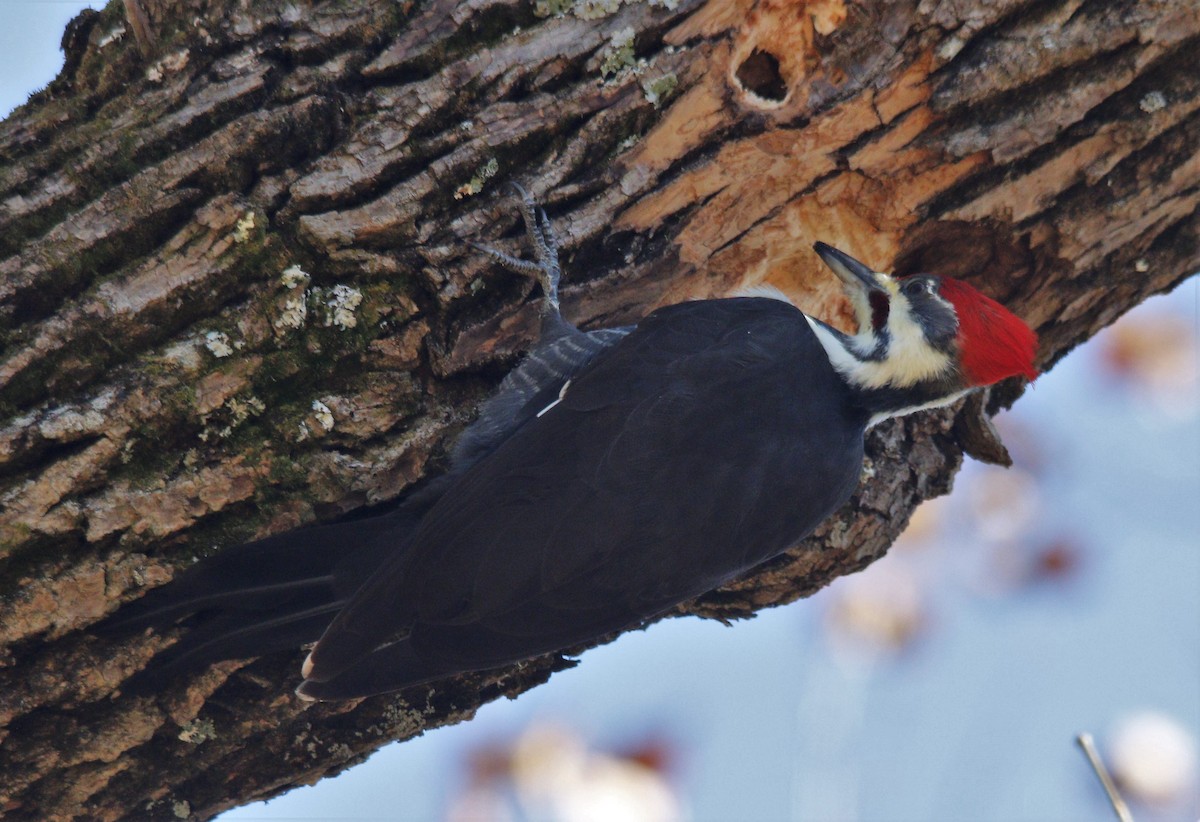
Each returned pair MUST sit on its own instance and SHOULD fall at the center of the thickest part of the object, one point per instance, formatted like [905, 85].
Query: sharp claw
[545, 246]
[548, 232]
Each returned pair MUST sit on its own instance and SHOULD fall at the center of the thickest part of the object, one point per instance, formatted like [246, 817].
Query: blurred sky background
[946, 682]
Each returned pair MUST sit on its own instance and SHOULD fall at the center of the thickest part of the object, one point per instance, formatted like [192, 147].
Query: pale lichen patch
[294, 277]
[293, 313]
[552, 8]
[242, 410]
[1152, 102]
[340, 303]
[618, 55]
[322, 415]
[217, 343]
[595, 9]
[197, 731]
[167, 65]
[660, 88]
[183, 353]
[221, 421]
[591, 9]
[245, 225]
[475, 184]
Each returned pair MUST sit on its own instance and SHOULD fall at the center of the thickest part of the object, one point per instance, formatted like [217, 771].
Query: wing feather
[666, 469]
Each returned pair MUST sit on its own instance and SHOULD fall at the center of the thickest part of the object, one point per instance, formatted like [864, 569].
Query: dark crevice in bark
[1025, 100]
[44, 451]
[68, 275]
[1171, 71]
[976, 52]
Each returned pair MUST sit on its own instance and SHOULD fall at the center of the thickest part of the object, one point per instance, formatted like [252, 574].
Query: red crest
[995, 343]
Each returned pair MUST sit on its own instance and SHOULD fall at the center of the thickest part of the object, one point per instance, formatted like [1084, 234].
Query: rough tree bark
[171, 384]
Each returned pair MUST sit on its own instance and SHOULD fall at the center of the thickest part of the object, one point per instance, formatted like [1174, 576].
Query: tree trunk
[236, 296]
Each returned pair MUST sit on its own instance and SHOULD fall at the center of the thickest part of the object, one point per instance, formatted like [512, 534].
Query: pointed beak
[862, 285]
[857, 276]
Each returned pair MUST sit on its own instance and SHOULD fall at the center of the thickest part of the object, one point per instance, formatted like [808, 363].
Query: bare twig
[1088, 744]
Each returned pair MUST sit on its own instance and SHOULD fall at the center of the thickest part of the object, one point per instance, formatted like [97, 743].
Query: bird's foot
[545, 266]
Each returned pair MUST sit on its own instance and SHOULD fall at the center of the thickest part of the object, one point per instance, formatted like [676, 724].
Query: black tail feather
[232, 636]
[275, 594]
[390, 668]
[273, 572]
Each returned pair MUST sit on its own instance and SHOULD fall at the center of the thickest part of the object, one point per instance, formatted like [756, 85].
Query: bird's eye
[914, 287]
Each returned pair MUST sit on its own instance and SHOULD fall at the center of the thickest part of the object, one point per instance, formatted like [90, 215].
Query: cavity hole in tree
[759, 74]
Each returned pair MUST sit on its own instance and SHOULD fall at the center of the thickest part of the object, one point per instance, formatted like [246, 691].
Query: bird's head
[924, 330]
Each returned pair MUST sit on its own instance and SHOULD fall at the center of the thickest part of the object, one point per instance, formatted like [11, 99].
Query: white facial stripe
[909, 359]
[842, 360]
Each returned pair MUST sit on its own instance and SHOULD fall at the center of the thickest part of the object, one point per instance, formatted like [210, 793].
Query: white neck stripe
[909, 360]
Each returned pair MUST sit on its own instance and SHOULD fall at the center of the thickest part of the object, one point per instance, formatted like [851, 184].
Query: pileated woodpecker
[615, 474]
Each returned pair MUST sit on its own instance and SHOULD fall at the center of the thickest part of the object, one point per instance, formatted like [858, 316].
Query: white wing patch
[562, 392]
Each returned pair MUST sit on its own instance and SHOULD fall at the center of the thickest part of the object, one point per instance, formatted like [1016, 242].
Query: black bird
[615, 474]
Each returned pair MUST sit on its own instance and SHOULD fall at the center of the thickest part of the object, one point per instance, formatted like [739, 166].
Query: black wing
[711, 438]
[562, 353]
[281, 592]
